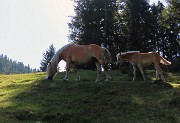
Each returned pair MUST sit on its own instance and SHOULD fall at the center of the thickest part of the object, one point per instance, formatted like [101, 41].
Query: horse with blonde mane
[143, 59]
[75, 55]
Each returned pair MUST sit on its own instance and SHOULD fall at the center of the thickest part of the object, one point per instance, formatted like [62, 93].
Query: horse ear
[117, 55]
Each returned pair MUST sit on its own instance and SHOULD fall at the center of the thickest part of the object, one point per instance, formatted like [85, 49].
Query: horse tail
[107, 56]
[164, 61]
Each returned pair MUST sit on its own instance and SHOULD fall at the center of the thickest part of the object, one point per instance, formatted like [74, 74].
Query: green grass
[29, 98]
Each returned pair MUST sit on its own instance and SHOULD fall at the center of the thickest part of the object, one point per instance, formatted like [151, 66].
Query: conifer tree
[171, 19]
[50, 52]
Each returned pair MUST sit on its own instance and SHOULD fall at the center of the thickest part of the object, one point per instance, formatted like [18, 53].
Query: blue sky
[29, 27]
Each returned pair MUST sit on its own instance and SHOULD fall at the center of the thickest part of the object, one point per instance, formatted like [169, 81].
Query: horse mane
[57, 57]
[130, 52]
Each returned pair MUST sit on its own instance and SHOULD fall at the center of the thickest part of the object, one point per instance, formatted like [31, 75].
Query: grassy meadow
[29, 98]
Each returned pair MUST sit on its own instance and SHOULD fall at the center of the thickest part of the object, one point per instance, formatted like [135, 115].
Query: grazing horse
[143, 59]
[75, 55]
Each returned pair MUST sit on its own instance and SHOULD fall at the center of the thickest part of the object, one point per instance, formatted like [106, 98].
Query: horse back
[83, 53]
[101, 54]
[149, 58]
[76, 53]
[142, 58]
[96, 50]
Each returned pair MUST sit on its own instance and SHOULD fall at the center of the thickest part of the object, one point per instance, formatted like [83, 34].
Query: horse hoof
[78, 79]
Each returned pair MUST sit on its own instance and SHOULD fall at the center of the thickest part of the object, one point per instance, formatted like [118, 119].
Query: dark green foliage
[127, 25]
[8, 66]
[175, 66]
[138, 24]
[47, 56]
[171, 19]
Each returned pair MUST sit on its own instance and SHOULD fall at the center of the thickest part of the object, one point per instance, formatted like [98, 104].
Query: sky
[29, 27]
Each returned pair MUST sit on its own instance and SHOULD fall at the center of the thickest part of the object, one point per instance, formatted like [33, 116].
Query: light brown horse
[143, 59]
[75, 55]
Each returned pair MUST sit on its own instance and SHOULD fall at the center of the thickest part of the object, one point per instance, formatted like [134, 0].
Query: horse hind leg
[142, 72]
[76, 72]
[161, 73]
[157, 75]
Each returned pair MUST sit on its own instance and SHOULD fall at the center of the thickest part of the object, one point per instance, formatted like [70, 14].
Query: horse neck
[55, 60]
[129, 56]
[58, 56]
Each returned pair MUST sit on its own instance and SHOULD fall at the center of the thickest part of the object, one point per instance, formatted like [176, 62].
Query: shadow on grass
[87, 101]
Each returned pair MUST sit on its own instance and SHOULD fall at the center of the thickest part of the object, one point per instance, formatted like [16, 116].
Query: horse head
[120, 59]
[51, 71]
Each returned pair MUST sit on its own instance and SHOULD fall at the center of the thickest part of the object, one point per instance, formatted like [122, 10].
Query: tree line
[128, 25]
[8, 66]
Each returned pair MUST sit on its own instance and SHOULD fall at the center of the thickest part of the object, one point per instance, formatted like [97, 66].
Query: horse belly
[146, 62]
[80, 59]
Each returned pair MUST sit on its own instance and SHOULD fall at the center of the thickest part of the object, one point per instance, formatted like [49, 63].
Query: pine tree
[93, 22]
[138, 25]
[171, 19]
[50, 52]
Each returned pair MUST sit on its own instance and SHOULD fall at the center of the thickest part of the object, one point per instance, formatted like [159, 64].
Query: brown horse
[143, 59]
[75, 55]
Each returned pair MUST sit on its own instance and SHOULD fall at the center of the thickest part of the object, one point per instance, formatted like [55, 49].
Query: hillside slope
[31, 98]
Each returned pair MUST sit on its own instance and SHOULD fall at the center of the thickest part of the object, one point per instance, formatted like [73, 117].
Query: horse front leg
[108, 77]
[67, 71]
[159, 71]
[98, 71]
[157, 74]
